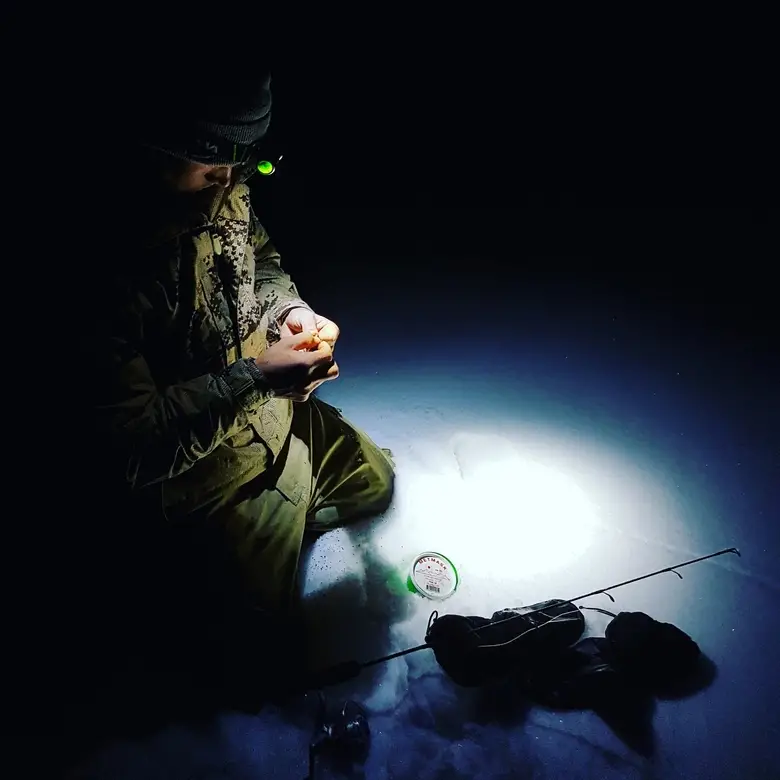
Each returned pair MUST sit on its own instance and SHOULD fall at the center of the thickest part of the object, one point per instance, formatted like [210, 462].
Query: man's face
[191, 177]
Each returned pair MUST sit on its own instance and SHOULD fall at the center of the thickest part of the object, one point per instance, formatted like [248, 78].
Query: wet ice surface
[542, 473]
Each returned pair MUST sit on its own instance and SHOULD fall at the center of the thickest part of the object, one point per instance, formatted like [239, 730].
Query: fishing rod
[347, 670]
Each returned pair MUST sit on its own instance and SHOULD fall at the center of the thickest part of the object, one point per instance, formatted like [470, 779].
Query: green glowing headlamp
[248, 156]
[265, 167]
[250, 160]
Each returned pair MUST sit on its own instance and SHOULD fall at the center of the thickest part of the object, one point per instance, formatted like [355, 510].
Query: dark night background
[600, 231]
[623, 200]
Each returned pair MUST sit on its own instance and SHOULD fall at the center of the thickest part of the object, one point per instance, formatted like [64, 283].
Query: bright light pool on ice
[498, 515]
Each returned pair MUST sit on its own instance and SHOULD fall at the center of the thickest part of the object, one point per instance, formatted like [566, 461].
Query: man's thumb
[305, 340]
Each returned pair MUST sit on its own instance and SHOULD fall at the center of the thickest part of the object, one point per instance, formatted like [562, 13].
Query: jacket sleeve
[160, 432]
[274, 289]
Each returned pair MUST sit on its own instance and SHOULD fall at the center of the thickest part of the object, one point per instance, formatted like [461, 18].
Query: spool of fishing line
[433, 576]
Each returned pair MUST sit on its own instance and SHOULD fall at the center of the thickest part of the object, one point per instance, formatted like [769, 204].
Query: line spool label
[434, 576]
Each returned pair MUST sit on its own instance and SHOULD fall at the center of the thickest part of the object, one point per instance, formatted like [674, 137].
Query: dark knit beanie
[204, 117]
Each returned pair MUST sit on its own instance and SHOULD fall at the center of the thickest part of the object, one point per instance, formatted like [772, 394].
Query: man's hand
[301, 320]
[296, 365]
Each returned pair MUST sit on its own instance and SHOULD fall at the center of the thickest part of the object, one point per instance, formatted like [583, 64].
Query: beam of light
[531, 519]
[503, 519]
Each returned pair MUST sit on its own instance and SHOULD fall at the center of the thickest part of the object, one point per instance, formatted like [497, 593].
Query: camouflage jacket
[176, 383]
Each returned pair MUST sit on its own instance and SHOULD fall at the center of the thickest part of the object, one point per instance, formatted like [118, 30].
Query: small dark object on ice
[345, 736]
[474, 650]
[660, 654]
[639, 656]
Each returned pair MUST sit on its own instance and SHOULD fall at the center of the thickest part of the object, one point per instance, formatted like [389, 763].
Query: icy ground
[534, 496]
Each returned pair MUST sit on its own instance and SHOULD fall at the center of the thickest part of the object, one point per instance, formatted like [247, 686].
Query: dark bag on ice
[660, 654]
[638, 656]
[474, 650]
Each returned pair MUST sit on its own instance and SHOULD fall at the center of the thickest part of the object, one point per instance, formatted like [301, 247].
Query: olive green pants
[328, 474]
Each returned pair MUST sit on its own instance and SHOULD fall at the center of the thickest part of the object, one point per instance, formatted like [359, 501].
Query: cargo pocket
[294, 482]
